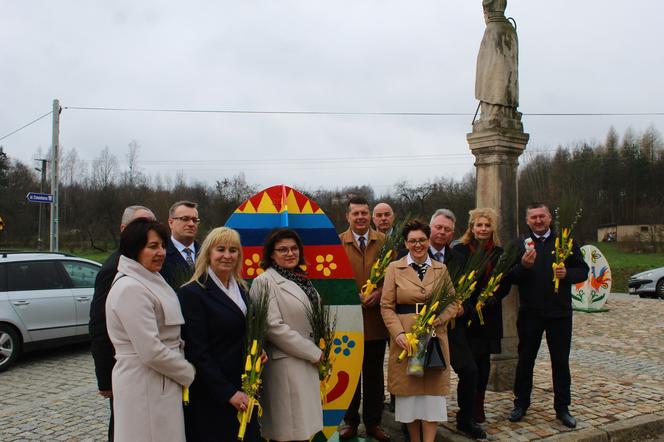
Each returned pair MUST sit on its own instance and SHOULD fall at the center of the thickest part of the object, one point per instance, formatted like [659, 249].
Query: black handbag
[433, 356]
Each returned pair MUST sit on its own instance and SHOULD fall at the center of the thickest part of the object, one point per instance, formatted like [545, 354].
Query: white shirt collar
[357, 237]
[545, 236]
[233, 290]
[409, 260]
[178, 245]
[433, 251]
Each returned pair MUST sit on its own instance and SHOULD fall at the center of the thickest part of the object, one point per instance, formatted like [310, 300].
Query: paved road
[617, 374]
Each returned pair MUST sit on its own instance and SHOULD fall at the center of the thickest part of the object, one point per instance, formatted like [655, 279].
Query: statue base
[497, 151]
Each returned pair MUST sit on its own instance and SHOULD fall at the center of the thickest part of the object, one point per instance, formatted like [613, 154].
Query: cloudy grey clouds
[341, 56]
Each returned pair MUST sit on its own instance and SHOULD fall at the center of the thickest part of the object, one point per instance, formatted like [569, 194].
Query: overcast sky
[336, 56]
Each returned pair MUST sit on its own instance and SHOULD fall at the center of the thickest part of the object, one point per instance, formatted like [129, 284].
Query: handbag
[428, 354]
[433, 355]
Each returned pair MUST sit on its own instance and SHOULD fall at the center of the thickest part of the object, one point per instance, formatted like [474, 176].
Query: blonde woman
[483, 340]
[214, 304]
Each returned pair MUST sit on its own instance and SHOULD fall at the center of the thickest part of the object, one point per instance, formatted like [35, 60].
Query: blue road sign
[35, 197]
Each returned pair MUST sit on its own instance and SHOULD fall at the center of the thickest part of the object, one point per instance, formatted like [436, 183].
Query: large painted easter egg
[591, 295]
[328, 268]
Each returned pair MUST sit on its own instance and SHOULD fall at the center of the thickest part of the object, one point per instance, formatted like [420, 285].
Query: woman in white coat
[143, 319]
[291, 395]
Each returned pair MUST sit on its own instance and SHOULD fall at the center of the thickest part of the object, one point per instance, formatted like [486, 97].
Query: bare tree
[104, 169]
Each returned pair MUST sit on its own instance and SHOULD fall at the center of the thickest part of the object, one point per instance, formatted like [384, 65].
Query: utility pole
[41, 169]
[54, 176]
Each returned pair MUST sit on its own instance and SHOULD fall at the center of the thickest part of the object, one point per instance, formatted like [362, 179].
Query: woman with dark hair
[483, 340]
[419, 401]
[143, 319]
[291, 395]
[214, 304]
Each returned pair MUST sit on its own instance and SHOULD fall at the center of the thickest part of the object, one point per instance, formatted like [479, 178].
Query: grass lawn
[625, 264]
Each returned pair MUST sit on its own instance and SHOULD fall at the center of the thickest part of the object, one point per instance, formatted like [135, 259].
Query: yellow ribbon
[185, 395]
[556, 281]
[478, 308]
[245, 416]
[413, 341]
[368, 288]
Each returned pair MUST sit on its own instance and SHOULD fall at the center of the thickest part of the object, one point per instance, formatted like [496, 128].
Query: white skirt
[427, 408]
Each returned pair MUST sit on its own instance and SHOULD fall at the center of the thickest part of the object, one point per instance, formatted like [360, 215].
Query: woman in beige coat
[143, 319]
[291, 395]
[408, 283]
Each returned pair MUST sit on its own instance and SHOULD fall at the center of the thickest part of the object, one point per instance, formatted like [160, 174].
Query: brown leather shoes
[347, 432]
[378, 433]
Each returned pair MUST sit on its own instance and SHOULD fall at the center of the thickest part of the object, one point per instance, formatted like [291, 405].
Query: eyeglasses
[284, 250]
[421, 241]
[186, 219]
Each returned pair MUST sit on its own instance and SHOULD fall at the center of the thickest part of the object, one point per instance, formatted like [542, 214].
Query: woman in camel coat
[409, 281]
[143, 319]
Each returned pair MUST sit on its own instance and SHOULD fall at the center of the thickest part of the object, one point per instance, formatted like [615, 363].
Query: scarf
[299, 278]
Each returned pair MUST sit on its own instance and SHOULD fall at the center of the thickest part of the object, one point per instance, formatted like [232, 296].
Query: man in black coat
[182, 248]
[543, 310]
[101, 347]
[442, 231]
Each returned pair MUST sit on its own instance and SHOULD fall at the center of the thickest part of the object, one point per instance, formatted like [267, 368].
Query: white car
[647, 284]
[44, 300]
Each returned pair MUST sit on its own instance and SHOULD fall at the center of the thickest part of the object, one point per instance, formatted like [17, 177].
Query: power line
[26, 125]
[414, 114]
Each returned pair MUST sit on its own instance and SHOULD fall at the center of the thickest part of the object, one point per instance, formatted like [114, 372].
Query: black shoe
[471, 429]
[566, 418]
[517, 414]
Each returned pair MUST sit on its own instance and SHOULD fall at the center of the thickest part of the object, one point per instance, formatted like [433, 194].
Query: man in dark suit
[362, 244]
[182, 248]
[442, 231]
[543, 310]
[101, 347]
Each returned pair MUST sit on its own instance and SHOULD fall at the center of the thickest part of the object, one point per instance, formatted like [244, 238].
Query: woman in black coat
[214, 304]
[483, 340]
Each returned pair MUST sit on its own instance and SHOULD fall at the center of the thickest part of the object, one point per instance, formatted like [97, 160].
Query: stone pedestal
[497, 152]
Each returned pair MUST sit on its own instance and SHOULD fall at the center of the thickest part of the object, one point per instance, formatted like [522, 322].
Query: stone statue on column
[497, 140]
[497, 77]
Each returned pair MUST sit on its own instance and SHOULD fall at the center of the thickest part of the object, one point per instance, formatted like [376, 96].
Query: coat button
[311, 335]
[423, 290]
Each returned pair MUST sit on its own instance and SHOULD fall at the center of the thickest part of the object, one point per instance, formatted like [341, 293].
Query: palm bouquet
[466, 277]
[503, 265]
[440, 297]
[254, 342]
[564, 244]
[393, 242]
[324, 324]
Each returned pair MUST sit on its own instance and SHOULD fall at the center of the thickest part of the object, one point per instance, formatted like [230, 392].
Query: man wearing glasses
[362, 244]
[182, 248]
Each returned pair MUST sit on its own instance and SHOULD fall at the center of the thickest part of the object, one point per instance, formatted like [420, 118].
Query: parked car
[647, 284]
[44, 301]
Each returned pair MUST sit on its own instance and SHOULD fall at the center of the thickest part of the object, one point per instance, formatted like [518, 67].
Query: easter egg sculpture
[328, 268]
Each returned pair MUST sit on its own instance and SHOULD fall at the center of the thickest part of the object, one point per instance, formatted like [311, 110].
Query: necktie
[421, 269]
[363, 244]
[438, 257]
[542, 239]
[190, 260]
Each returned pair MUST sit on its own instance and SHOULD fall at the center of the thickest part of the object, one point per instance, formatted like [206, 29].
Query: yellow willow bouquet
[253, 368]
[563, 246]
[324, 326]
[393, 242]
[466, 277]
[441, 296]
[503, 265]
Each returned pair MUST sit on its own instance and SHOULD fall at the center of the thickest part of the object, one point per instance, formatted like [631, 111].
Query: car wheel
[659, 289]
[10, 346]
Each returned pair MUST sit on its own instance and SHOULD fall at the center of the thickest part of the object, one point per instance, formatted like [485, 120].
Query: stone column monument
[497, 140]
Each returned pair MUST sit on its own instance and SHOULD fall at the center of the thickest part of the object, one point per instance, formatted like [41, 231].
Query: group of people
[169, 313]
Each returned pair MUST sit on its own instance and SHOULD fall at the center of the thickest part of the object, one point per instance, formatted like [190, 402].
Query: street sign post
[35, 197]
